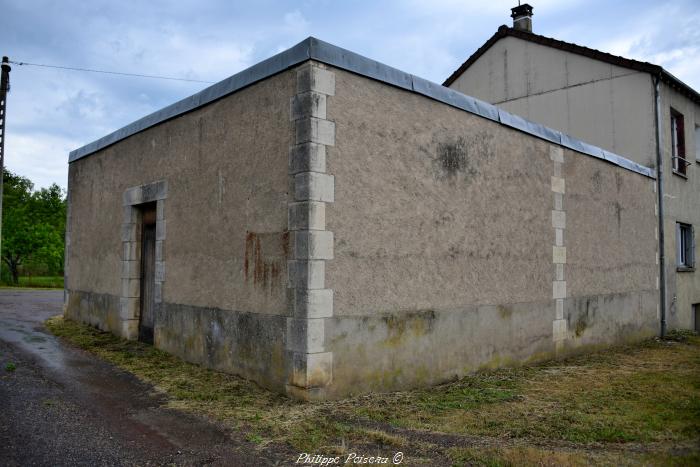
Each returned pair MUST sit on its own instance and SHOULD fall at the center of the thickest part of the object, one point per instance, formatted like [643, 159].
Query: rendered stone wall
[681, 195]
[462, 244]
[326, 234]
[219, 177]
[609, 106]
[594, 101]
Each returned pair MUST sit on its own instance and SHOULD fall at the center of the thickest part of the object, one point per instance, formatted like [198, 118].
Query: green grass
[507, 457]
[44, 282]
[643, 395]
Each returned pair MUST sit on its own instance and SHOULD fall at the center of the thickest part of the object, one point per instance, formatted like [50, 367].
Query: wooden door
[148, 274]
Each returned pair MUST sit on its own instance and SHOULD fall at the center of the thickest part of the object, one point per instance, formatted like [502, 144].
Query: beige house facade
[611, 102]
[326, 225]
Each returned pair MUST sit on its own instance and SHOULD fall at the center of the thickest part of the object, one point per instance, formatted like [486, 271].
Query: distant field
[51, 282]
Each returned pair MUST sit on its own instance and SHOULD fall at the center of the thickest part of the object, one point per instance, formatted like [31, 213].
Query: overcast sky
[51, 112]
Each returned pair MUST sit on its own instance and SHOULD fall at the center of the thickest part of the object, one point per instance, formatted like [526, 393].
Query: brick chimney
[522, 17]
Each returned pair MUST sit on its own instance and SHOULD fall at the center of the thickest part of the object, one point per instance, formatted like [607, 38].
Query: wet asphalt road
[62, 406]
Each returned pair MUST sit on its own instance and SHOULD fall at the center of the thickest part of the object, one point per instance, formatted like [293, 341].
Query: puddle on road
[23, 315]
[127, 406]
[34, 339]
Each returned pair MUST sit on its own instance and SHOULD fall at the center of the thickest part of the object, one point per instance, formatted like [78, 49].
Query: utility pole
[4, 89]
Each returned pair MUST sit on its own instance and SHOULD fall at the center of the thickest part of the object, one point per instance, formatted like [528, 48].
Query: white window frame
[680, 161]
[685, 246]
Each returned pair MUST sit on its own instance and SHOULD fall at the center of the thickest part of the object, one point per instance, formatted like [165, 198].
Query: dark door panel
[148, 275]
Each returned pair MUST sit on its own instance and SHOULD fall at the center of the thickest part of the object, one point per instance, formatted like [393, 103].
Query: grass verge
[626, 405]
[41, 282]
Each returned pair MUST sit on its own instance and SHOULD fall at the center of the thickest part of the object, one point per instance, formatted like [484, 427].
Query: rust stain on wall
[265, 257]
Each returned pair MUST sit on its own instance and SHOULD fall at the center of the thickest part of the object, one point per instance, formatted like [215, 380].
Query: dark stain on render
[618, 214]
[407, 325]
[597, 181]
[581, 325]
[462, 157]
[265, 255]
[453, 156]
[618, 181]
[586, 314]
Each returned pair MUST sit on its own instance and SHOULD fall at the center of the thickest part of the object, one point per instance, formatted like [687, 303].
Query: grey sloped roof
[315, 49]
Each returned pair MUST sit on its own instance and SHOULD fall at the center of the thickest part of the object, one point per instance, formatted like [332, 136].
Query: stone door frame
[130, 298]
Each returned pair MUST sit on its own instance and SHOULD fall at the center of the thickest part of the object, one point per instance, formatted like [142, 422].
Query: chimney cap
[521, 10]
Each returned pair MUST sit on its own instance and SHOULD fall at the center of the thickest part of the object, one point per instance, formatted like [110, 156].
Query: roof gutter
[660, 200]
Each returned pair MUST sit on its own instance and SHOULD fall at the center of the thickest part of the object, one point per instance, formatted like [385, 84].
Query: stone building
[327, 225]
[635, 109]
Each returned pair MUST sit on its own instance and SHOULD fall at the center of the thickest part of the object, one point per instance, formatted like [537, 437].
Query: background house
[327, 225]
[608, 101]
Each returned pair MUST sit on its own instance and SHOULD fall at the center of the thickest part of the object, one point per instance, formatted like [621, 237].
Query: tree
[33, 225]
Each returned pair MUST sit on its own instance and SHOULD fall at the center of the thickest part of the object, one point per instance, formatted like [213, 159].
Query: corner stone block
[306, 274]
[130, 329]
[129, 232]
[559, 255]
[312, 244]
[558, 202]
[315, 130]
[129, 308]
[160, 271]
[158, 292]
[315, 303]
[559, 272]
[133, 196]
[159, 250]
[307, 157]
[306, 335]
[131, 269]
[155, 191]
[559, 329]
[559, 219]
[556, 154]
[558, 185]
[160, 229]
[311, 370]
[559, 237]
[306, 394]
[131, 288]
[558, 289]
[313, 78]
[130, 251]
[307, 215]
[559, 308]
[131, 215]
[160, 210]
[312, 186]
[308, 104]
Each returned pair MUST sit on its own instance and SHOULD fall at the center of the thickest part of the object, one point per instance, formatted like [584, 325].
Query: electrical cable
[110, 72]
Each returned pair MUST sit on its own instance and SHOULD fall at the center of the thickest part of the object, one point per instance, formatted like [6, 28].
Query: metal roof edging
[315, 49]
[262, 70]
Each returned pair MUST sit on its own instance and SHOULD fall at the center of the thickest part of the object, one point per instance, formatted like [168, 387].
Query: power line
[111, 72]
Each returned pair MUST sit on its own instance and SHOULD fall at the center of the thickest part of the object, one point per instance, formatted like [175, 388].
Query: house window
[680, 164]
[685, 246]
[697, 143]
